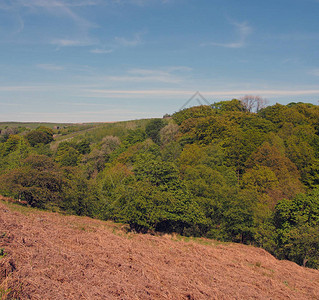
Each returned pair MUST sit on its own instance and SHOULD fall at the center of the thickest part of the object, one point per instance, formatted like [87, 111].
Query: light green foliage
[239, 146]
[276, 141]
[139, 206]
[297, 224]
[211, 156]
[135, 136]
[159, 173]
[211, 128]
[279, 114]
[19, 150]
[301, 148]
[113, 177]
[284, 169]
[248, 134]
[260, 178]
[227, 106]
[254, 122]
[130, 154]
[80, 196]
[274, 113]
[11, 144]
[67, 154]
[193, 113]
[155, 198]
[69, 158]
[214, 187]
[145, 207]
[118, 129]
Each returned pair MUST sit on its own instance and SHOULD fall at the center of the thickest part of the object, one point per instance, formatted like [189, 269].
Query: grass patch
[2, 252]
[197, 240]
[26, 210]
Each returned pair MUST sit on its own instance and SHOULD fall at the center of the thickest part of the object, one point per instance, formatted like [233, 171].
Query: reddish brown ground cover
[50, 256]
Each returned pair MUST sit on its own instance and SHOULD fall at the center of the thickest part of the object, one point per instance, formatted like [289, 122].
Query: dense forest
[223, 171]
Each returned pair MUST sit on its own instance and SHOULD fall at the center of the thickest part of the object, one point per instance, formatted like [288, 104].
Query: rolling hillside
[50, 256]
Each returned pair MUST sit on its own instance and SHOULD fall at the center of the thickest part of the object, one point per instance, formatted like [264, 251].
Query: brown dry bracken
[51, 256]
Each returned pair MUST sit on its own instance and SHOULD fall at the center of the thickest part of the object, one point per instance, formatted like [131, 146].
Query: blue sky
[110, 60]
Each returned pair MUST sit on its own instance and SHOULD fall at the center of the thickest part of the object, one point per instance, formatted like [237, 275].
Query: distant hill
[45, 255]
[31, 125]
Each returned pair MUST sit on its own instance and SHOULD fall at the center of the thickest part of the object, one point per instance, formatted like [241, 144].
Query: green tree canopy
[42, 135]
[153, 129]
[297, 224]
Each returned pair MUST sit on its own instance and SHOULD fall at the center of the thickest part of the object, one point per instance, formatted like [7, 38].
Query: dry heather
[50, 256]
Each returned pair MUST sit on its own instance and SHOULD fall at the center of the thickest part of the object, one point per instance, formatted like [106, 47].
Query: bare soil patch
[49, 256]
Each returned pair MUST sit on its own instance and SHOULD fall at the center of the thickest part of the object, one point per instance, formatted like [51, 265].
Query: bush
[38, 182]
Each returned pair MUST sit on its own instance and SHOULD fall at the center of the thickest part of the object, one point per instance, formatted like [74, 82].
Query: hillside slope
[50, 256]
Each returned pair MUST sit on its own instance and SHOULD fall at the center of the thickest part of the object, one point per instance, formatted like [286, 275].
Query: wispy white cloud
[98, 93]
[93, 91]
[164, 75]
[79, 116]
[101, 51]
[151, 78]
[48, 4]
[58, 9]
[55, 7]
[143, 2]
[50, 67]
[42, 88]
[130, 42]
[21, 88]
[71, 42]
[243, 31]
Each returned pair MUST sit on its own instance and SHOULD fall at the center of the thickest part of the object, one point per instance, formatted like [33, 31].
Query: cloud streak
[57, 9]
[71, 42]
[50, 67]
[243, 31]
[161, 92]
[48, 4]
[92, 92]
[101, 51]
[143, 2]
[80, 116]
[130, 42]
[172, 75]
